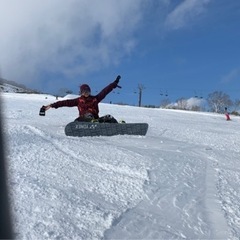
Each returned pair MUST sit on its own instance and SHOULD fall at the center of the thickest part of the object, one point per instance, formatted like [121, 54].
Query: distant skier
[87, 104]
[227, 114]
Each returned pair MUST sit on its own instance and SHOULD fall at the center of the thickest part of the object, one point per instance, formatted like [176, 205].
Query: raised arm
[64, 103]
[100, 96]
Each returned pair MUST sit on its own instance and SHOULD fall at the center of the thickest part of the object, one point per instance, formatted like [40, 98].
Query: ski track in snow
[117, 185]
[169, 196]
[181, 181]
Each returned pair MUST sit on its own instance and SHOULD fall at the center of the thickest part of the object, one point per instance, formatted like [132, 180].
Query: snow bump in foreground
[180, 181]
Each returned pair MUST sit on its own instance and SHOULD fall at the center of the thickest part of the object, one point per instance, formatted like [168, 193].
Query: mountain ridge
[13, 87]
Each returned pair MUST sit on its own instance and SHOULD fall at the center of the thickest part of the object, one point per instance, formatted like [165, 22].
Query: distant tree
[69, 92]
[150, 106]
[236, 105]
[195, 108]
[218, 100]
[164, 103]
[182, 103]
[63, 91]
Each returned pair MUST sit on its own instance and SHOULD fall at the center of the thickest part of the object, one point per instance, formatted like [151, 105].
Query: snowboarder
[87, 104]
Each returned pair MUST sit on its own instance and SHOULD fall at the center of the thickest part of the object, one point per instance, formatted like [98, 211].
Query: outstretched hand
[43, 109]
[117, 81]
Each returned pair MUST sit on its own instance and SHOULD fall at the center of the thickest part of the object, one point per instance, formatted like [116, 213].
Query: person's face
[85, 93]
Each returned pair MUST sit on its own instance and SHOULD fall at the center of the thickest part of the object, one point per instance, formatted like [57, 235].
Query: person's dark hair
[85, 88]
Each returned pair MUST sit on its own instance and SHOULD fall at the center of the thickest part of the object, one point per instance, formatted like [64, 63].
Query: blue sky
[178, 48]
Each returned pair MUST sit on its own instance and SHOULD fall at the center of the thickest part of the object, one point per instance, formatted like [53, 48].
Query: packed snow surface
[180, 181]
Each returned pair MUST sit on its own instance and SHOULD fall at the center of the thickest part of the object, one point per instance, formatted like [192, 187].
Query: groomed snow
[180, 181]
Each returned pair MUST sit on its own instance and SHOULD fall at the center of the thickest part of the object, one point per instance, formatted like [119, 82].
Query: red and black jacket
[86, 104]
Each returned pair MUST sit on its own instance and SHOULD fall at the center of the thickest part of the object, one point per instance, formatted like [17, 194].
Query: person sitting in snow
[88, 104]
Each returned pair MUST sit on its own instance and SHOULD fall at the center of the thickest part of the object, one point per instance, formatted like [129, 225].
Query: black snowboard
[82, 129]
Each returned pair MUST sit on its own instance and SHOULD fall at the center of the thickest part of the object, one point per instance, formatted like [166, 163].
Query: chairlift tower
[140, 88]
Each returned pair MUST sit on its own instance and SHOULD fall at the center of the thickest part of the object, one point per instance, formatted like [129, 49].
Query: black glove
[42, 111]
[117, 79]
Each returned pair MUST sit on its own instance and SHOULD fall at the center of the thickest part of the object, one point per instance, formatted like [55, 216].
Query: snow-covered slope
[12, 87]
[180, 181]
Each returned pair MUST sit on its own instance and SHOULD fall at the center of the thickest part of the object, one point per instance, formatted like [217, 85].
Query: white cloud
[231, 76]
[76, 37]
[71, 37]
[185, 13]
